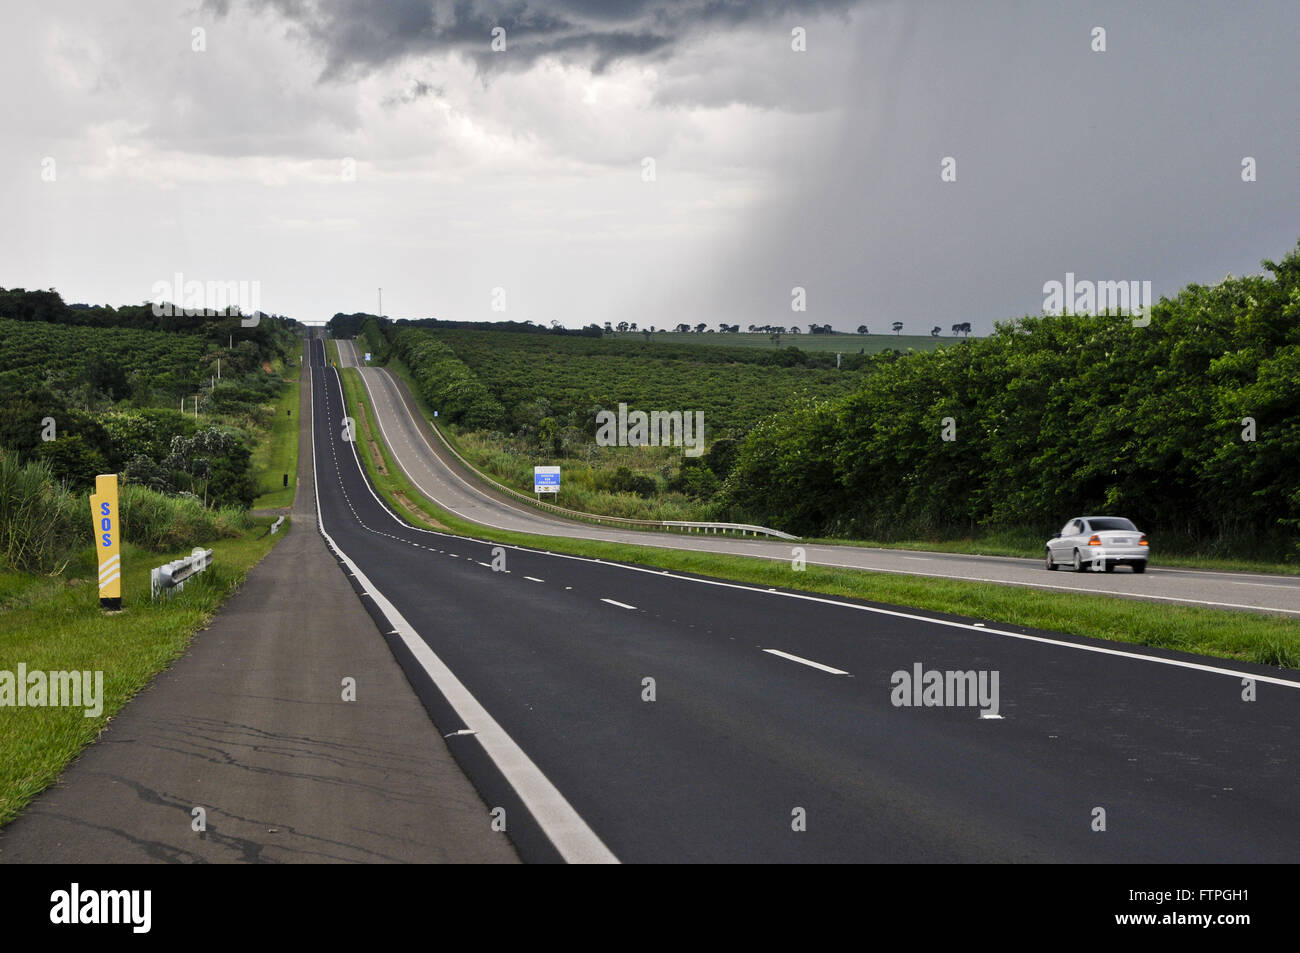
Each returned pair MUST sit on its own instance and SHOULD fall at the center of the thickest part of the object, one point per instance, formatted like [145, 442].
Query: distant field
[34, 351]
[540, 375]
[845, 343]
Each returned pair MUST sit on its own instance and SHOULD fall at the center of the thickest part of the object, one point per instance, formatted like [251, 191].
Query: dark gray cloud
[357, 36]
[416, 91]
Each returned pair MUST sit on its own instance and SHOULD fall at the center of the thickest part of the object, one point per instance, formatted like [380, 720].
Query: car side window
[1082, 526]
[1068, 528]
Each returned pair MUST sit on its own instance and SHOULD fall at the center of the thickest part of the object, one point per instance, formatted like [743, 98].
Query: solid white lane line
[534, 579]
[621, 605]
[804, 661]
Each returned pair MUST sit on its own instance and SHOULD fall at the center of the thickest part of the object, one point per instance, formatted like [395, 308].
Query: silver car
[1100, 543]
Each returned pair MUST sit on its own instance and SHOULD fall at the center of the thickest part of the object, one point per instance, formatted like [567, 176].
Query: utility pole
[218, 368]
[381, 302]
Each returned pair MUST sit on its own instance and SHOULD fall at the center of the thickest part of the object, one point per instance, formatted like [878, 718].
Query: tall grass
[41, 523]
[162, 523]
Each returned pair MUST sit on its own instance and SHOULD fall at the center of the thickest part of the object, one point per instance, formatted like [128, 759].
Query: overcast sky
[525, 169]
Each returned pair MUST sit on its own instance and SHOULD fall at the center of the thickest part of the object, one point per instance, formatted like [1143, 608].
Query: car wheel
[1078, 562]
[1050, 564]
[1140, 567]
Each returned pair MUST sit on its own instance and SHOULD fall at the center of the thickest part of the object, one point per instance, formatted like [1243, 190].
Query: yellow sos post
[108, 540]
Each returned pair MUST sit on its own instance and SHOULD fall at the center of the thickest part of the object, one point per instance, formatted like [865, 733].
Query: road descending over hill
[435, 472]
[621, 713]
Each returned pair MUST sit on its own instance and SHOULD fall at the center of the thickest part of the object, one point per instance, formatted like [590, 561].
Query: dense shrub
[446, 383]
[374, 342]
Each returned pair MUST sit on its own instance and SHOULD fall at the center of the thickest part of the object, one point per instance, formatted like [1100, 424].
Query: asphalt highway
[616, 712]
[436, 473]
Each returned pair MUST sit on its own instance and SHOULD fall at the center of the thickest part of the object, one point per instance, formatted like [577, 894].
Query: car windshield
[1111, 522]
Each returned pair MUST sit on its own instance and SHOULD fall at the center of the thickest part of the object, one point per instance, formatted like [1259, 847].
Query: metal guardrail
[172, 576]
[743, 528]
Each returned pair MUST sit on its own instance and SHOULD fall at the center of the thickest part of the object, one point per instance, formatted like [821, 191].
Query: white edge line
[572, 837]
[805, 661]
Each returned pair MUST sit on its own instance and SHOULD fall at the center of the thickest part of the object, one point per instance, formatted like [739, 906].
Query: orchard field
[571, 378]
[810, 343]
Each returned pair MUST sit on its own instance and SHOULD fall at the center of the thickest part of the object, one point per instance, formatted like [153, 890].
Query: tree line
[1189, 425]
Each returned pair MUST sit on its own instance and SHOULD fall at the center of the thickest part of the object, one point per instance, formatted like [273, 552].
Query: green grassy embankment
[277, 453]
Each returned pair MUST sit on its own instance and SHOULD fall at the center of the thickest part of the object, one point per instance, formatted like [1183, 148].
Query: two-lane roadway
[437, 474]
[645, 715]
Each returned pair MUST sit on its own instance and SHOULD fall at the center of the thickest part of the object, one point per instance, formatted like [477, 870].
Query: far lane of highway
[436, 473]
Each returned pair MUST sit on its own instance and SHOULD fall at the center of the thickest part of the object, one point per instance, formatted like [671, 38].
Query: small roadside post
[108, 541]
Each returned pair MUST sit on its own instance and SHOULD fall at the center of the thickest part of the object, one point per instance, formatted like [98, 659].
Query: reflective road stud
[108, 541]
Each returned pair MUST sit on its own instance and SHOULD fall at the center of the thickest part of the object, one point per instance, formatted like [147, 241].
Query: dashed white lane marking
[534, 579]
[621, 605]
[804, 661]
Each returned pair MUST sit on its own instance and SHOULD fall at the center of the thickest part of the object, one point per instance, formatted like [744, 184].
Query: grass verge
[1265, 639]
[1031, 545]
[55, 624]
[277, 453]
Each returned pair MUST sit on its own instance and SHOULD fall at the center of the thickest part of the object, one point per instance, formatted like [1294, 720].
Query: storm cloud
[356, 36]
